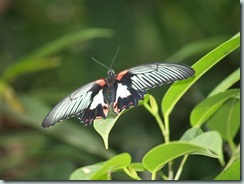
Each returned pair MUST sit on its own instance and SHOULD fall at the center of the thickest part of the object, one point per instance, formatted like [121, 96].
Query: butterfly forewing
[74, 104]
[145, 77]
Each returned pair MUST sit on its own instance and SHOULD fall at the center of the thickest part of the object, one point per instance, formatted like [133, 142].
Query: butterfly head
[111, 76]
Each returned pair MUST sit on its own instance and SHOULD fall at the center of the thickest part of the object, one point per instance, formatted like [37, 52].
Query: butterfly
[116, 92]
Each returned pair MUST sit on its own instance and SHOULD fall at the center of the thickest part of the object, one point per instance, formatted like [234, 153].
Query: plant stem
[153, 175]
[133, 176]
[232, 145]
[170, 171]
[235, 154]
[230, 140]
[177, 176]
[167, 140]
[158, 119]
[160, 124]
[163, 176]
[166, 135]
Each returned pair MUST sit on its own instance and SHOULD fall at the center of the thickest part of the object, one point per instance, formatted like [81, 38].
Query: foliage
[194, 140]
[23, 107]
[45, 53]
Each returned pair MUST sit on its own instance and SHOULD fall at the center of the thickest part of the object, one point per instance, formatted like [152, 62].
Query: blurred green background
[45, 54]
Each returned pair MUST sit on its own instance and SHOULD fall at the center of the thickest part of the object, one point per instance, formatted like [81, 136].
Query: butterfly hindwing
[96, 109]
[127, 96]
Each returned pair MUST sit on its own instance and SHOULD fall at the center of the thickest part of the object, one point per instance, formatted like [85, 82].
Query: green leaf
[191, 134]
[156, 158]
[226, 83]
[153, 104]
[85, 173]
[178, 89]
[29, 66]
[132, 169]
[207, 144]
[153, 107]
[9, 97]
[206, 108]
[68, 40]
[38, 60]
[36, 110]
[231, 173]
[145, 100]
[212, 142]
[138, 166]
[196, 48]
[102, 170]
[117, 162]
[226, 120]
[104, 126]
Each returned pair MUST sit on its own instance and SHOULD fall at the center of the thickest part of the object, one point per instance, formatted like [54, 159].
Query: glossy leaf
[153, 104]
[145, 100]
[233, 172]
[207, 107]
[29, 66]
[138, 166]
[104, 126]
[195, 48]
[160, 155]
[35, 111]
[178, 89]
[85, 173]
[132, 170]
[191, 134]
[9, 97]
[103, 169]
[203, 144]
[212, 142]
[150, 104]
[37, 60]
[68, 40]
[226, 120]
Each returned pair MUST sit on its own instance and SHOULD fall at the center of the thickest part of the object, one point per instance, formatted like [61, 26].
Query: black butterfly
[116, 92]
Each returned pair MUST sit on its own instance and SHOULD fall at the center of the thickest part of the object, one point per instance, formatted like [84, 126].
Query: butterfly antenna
[114, 57]
[100, 63]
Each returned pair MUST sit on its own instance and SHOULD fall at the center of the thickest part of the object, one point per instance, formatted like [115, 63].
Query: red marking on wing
[99, 117]
[121, 74]
[101, 82]
[116, 107]
[105, 109]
